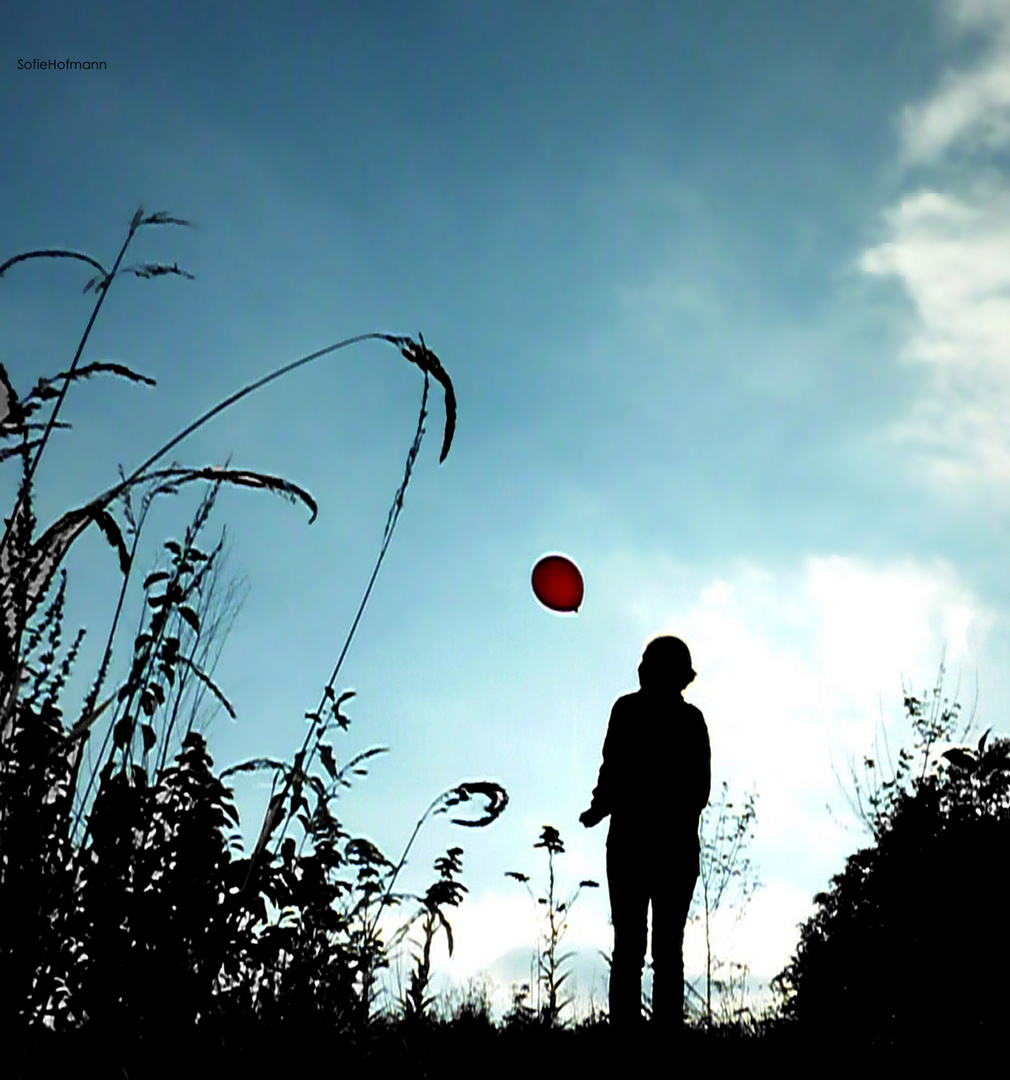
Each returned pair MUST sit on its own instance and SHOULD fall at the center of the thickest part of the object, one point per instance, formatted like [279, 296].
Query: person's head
[666, 665]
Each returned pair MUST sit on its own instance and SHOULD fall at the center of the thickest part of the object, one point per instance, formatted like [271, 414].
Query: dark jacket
[657, 770]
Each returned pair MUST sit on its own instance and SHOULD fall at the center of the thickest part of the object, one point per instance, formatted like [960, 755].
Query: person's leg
[671, 903]
[629, 906]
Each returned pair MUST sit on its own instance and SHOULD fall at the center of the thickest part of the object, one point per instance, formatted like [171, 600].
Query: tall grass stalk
[78, 898]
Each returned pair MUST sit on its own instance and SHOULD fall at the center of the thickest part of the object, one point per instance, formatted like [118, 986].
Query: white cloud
[951, 249]
[795, 667]
[970, 110]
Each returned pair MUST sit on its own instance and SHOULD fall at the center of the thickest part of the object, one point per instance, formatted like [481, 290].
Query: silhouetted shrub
[908, 941]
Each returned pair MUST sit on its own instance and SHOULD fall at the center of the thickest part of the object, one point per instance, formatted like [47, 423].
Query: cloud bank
[948, 240]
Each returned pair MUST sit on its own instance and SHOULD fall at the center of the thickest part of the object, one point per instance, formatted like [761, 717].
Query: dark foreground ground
[481, 1052]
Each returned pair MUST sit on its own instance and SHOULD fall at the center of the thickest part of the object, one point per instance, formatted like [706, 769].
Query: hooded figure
[654, 783]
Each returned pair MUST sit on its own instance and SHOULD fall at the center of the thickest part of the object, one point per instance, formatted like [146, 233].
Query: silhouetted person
[654, 782]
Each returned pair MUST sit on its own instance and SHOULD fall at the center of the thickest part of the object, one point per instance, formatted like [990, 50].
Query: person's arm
[702, 773]
[603, 793]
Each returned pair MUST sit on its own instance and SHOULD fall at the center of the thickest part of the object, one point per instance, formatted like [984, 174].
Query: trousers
[637, 877]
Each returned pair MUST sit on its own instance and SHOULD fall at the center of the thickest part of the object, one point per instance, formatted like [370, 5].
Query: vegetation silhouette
[549, 961]
[725, 834]
[897, 955]
[146, 927]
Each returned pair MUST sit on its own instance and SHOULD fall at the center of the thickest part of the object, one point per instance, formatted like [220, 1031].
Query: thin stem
[403, 861]
[238, 395]
[69, 376]
[394, 515]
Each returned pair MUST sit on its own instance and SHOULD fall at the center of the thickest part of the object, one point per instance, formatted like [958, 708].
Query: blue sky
[722, 293]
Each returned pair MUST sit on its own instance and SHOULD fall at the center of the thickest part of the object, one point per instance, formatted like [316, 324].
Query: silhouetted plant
[146, 924]
[521, 1014]
[883, 955]
[933, 719]
[443, 892]
[466, 1008]
[725, 833]
[549, 962]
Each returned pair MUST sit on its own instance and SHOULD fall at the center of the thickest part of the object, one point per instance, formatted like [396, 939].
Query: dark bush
[908, 942]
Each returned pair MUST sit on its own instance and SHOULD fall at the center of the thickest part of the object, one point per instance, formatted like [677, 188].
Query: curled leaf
[430, 364]
[495, 794]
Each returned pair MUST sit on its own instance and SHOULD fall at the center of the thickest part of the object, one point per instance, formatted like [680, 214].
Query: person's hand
[588, 818]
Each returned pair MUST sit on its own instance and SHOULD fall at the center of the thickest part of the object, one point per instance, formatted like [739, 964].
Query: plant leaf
[207, 680]
[162, 218]
[107, 523]
[123, 731]
[243, 478]
[270, 820]
[961, 759]
[429, 363]
[445, 925]
[45, 556]
[496, 795]
[21, 448]
[364, 755]
[11, 413]
[253, 765]
[45, 388]
[150, 270]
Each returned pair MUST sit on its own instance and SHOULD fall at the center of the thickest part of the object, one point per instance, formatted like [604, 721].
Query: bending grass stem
[391, 521]
[26, 486]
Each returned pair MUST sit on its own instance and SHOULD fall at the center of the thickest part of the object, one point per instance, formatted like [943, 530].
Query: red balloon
[558, 584]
